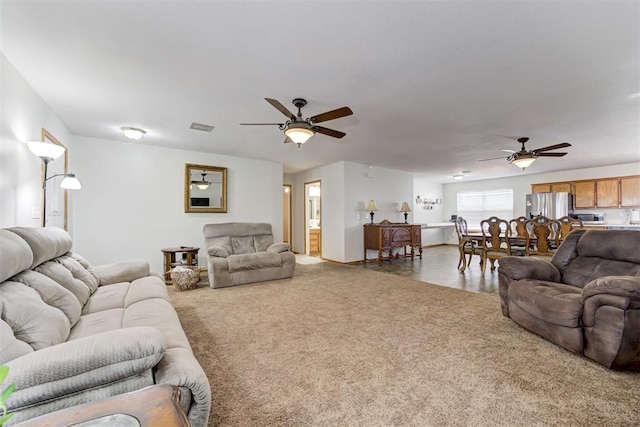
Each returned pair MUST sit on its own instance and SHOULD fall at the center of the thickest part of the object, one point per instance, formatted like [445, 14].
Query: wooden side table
[170, 259]
[156, 405]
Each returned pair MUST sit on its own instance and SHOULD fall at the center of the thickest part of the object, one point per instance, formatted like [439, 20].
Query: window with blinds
[474, 206]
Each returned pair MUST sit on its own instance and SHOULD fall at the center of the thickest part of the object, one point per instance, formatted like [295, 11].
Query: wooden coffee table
[156, 405]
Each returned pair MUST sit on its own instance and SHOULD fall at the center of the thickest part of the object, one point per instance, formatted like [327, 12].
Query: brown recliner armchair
[586, 299]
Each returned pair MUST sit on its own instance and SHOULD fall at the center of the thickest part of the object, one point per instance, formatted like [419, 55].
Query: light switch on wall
[35, 212]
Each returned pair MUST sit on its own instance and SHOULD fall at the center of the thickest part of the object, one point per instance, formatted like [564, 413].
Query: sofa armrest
[82, 364]
[517, 268]
[623, 286]
[279, 247]
[218, 251]
[123, 271]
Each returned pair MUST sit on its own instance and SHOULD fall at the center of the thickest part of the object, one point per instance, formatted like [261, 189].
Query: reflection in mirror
[205, 188]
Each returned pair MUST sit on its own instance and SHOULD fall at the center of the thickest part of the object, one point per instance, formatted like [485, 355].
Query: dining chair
[466, 245]
[543, 237]
[567, 224]
[518, 235]
[495, 241]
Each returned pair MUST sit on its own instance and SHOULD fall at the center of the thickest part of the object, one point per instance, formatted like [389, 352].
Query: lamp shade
[70, 182]
[524, 161]
[46, 150]
[405, 207]
[298, 133]
[371, 206]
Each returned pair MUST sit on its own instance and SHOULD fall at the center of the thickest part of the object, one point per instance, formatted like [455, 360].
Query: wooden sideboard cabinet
[386, 236]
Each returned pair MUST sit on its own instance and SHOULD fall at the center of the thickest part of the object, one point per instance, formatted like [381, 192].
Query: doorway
[286, 214]
[312, 216]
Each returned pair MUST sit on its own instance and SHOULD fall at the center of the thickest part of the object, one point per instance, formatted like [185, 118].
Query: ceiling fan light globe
[299, 135]
[523, 162]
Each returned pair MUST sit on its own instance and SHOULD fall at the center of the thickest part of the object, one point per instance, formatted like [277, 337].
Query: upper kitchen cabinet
[608, 193]
[630, 192]
[540, 188]
[584, 196]
[554, 187]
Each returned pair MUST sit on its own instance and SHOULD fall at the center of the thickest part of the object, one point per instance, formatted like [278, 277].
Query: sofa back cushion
[79, 272]
[599, 253]
[52, 293]
[45, 243]
[10, 347]
[15, 255]
[31, 320]
[239, 237]
[62, 276]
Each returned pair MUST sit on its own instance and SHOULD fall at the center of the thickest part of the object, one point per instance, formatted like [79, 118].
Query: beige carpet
[343, 346]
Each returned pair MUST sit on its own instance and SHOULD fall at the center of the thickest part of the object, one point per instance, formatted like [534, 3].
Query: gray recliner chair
[245, 252]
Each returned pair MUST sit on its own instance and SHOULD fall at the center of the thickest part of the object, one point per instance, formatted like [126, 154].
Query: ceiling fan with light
[524, 158]
[299, 130]
[202, 184]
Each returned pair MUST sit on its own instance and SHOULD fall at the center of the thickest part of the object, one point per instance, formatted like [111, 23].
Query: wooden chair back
[543, 236]
[518, 227]
[461, 227]
[567, 224]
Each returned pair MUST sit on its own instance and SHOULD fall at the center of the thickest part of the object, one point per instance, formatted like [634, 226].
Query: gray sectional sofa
[72, 333]
[245, 252]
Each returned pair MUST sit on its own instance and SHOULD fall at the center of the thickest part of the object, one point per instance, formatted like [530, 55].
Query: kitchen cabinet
[540, 188]
[314, 241]
[608, 193]
[553, 187]
[561, 187]
[584, 196]
[630, 192]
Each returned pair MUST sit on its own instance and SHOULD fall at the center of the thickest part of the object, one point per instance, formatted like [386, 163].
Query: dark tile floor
[439, 266]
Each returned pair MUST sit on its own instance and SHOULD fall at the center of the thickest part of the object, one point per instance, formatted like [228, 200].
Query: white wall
[522, 186]
[23, 115]
[426, 188]
[132, 200]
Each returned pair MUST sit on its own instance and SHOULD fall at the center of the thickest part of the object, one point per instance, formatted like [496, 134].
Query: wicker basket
[185, 277]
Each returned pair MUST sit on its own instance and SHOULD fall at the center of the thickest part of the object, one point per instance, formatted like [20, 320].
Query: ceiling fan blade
[551, 154]
[330, 115]
[329, 132]
[492, 158]
[281, 108]
[261, 124]
[552, 147]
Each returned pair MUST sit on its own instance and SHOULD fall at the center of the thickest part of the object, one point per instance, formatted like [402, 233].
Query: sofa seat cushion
[552, 302]
[254, 261]
[122, 295]
[155, 312]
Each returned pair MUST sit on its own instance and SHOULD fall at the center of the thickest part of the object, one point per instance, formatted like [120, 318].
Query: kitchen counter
[437, 225]
[607, 226]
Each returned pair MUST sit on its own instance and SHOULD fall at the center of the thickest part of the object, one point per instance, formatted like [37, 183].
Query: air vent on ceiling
[200, 126]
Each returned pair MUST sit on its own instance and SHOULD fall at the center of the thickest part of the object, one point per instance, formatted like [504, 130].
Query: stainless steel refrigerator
[551, 205]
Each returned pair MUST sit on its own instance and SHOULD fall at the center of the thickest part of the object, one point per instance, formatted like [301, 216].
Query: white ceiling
[434, 85]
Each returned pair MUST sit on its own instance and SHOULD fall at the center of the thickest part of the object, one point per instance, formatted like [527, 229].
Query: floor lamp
[47, 152]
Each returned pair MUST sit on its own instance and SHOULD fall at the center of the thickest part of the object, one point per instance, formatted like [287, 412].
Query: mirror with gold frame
[205, 188]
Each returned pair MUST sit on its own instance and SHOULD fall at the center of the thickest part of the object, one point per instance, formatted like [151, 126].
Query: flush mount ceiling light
[133, 133]
[458, 177]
